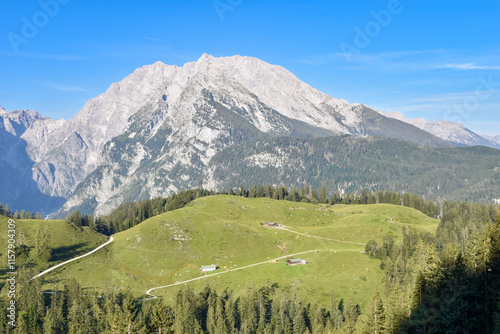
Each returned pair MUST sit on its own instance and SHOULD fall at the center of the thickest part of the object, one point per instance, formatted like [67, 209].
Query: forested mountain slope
[352, 164]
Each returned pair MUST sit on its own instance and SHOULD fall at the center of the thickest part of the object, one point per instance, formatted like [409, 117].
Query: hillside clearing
[229, 231]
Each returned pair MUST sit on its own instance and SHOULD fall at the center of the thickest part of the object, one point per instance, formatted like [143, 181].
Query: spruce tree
[210, 317]
[77, 219]
[252, 193]
[322, 194]
[317, 319]
[43, 249]
[21, 326]
[7, 211]
[161, 318]
[220, 317]
[364, 197]
[260, 191]
[76, 317]
[261, 312]
[242, 191]
[129, 313]
[299, 321]
[374, 322]
[395, 311]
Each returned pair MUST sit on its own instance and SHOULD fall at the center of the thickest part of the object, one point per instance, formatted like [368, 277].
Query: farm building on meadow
[274, 225]
[211, 267]
[294, 262]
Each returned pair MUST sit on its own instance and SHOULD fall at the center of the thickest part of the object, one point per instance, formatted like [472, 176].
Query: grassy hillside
[228, 231]
[67, 241]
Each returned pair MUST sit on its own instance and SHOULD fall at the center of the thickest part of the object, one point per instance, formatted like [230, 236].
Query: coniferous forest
[447, 282]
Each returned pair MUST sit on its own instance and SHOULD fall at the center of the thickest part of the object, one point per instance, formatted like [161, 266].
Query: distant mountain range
[495, 139]
[450, 131]
[156, 131]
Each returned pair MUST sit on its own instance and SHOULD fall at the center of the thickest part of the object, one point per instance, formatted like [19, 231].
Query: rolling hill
[67, 241]
[229, 231]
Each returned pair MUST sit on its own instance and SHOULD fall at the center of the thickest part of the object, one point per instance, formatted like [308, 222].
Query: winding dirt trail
[256, 264]
[223, 272]
[209, 275]
[74, 259]
[315, 237]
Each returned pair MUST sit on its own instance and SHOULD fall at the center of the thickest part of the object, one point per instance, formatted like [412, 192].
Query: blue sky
[433, 59]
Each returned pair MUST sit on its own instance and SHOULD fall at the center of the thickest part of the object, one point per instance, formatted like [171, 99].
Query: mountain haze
[17, 178]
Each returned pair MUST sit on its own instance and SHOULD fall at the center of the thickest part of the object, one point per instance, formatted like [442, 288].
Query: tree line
[447, 282]
[7, 212]
[265, 310]
[129, 214]
[428, 289]
[350, 163]
[443, 283]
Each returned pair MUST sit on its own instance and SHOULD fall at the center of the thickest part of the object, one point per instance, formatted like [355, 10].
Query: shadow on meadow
[67, 252]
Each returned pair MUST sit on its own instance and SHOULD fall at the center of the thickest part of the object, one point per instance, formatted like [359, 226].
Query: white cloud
[410, 60]
[469, 66]
[61, 57]
[64, 87]
[153, 39]
[440, 101]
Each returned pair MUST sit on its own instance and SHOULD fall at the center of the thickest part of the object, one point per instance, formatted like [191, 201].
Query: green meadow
[229, 231]
[67, 241]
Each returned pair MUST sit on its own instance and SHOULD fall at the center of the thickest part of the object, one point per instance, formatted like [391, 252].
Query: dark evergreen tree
[43, 250]
[374, 320]
[323, 194]
[7, 211]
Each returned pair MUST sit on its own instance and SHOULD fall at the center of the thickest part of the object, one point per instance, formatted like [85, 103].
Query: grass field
[68, 241]
[228, 231]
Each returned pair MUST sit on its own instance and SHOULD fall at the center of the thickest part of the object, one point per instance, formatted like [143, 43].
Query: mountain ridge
[161, 125]
[447, 130]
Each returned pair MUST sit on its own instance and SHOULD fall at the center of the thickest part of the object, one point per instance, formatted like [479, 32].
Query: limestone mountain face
[203, 107]
[19, 189]
[155, 132]
[446, 130]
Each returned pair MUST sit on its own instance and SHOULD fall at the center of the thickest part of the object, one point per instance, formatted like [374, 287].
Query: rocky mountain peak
[446, 130]
[18, 121]
[156, 131]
